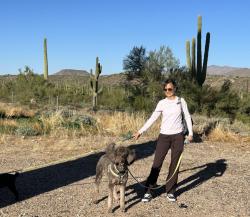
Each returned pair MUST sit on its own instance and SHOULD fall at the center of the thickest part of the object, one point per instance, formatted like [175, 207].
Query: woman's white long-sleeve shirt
[171, 117]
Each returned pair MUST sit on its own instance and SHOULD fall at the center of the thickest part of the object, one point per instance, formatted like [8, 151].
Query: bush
[76, 122]
[25, 130]
[29, 86]
[113, 98]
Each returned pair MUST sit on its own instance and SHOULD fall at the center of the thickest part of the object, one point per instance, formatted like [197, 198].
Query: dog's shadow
[206, 172]
[42, 180]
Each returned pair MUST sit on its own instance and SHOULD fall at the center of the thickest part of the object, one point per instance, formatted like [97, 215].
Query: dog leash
[154, 188]
[129, 136]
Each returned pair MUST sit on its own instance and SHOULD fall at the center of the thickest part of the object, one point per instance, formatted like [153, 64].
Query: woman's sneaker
[171, 197]
[147, 197]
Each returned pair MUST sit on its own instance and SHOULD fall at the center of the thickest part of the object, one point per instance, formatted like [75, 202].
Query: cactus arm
[198, 70]
[199, 51]
[204, 69]
[188, 55]
[193, 70]
[45, 59]
[100, 90]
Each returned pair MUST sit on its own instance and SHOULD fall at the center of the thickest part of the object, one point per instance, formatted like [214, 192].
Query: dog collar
[118, 175]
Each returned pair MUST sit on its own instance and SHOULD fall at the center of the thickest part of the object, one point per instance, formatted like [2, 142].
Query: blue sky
[79, 30]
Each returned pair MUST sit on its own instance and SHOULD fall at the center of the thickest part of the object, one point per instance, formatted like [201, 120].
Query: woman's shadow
[208, 171]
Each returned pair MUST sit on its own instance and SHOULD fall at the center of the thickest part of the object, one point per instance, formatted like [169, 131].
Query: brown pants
[165, 142]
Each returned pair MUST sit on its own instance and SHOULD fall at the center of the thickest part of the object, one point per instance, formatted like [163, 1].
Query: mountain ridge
[228, 71]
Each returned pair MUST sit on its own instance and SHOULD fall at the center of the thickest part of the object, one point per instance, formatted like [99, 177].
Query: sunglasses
[168, 89]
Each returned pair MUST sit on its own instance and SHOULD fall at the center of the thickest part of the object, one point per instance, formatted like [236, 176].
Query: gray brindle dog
[114, 163]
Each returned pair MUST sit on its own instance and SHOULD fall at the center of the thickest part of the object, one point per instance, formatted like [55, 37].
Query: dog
[114, 164]
[9, 180]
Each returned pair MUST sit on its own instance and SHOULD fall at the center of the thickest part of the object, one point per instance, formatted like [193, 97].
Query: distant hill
[70, 72]
[82, 76]
[228, 71]
[240, 77]
[211, 70]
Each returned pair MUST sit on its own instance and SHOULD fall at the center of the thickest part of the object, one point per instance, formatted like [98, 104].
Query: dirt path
[214, 181]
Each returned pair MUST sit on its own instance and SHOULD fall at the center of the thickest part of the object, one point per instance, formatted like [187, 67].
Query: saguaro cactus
[188, 55]
[193, 68]
[45, 73]
[204, 67]
[94, 84]
[199, 51]
[200, 70]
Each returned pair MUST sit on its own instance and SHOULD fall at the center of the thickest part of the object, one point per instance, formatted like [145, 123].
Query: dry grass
[115, 124]
[224, 133]
[19, 112]
[203, 125]
[11, 110]
[219, 134]
[119, 123]
[7, 126]
[52, 122]
[2, 138]
[8, 123]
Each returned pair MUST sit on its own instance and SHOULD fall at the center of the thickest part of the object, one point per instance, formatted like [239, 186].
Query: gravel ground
[213, 181]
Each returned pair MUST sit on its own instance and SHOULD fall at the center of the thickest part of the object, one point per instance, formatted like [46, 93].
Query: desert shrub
[28, 85]
[227, 103]
[6, 129]
[50, 121]
[76, 122]
[204, 125]
[26, 130]
[243, 117]
[243, 113]
[113, 98]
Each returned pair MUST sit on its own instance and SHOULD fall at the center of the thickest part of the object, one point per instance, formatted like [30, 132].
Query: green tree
[27, 71]
[159, 62]
[153, 68]
[167, 58]
[134, 63]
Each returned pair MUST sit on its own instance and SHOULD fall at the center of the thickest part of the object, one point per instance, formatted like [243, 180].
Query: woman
[171, 137]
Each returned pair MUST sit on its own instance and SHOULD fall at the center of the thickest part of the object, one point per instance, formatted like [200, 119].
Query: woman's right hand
[137, 135]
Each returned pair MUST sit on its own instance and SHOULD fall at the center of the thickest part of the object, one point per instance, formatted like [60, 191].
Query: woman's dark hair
[170, 80]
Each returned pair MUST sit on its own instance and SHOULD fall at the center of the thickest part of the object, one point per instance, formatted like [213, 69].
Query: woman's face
[169, 90]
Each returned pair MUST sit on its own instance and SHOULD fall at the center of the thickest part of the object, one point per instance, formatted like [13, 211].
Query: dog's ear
[131, 156]
[110, 151]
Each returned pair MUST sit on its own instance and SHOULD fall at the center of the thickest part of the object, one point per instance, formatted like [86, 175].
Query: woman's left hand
[136, 135]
